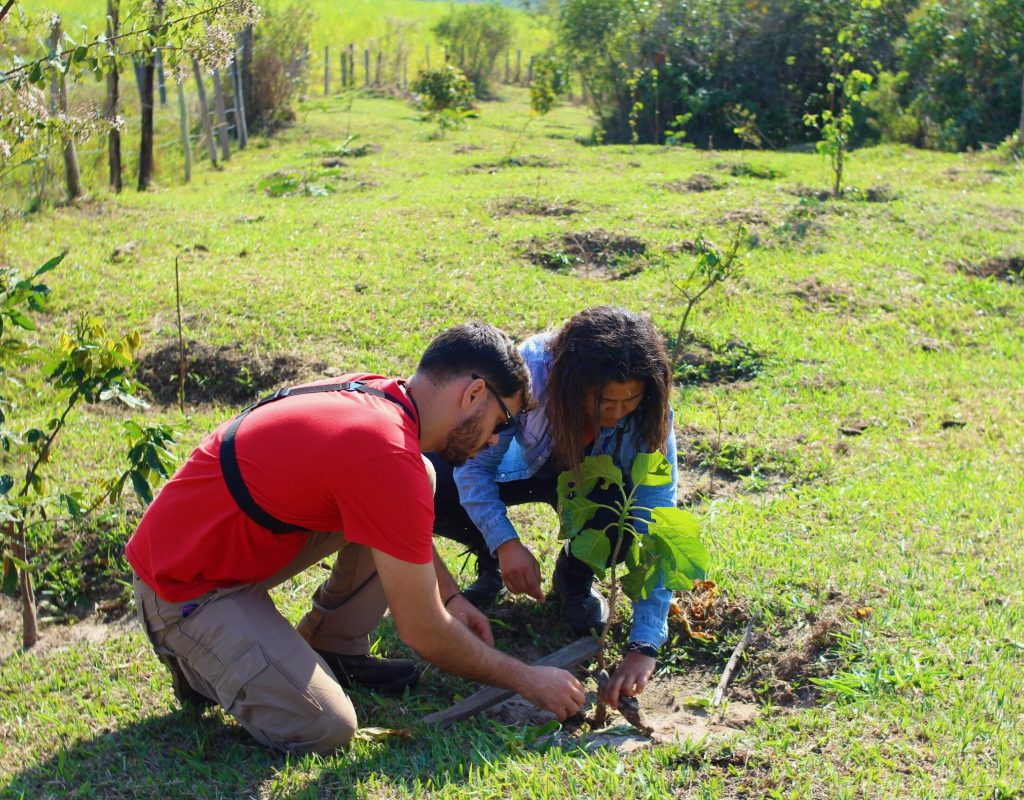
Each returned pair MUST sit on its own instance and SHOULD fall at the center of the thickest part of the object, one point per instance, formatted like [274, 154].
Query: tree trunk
[204, 109]
[29, 620]
[114, 137]
[222, 116]
[1020, 126]
[186, 145]
[146, 142]
[245, 40]
[72, 176]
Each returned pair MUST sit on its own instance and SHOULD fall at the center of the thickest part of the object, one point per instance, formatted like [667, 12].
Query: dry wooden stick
[734, 660]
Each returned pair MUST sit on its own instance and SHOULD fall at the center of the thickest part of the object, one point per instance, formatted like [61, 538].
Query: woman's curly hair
[602, 345]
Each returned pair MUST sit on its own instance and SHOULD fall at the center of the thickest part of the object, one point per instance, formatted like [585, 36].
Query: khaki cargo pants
[236, 648]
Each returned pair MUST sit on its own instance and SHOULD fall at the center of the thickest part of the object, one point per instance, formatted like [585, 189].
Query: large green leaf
[590, 471]
[651, 469]
[639, 581]
[575, 513]
[593, 549]
[673, 534]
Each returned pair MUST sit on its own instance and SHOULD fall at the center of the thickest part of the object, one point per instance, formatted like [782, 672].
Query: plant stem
[44, 453]
[181, 340]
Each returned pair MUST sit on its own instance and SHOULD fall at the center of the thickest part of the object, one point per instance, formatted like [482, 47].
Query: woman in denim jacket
[607, 365]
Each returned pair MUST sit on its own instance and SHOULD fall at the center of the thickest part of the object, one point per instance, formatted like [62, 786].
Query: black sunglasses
[510, 419]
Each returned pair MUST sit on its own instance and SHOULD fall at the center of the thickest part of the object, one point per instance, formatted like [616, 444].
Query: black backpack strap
[229, 458]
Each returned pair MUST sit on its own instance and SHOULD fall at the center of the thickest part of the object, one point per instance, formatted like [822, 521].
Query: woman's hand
[470, 616]
[629, 679]
[519, 569]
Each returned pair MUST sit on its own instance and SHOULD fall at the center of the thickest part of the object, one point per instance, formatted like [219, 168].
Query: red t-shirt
[327, 461]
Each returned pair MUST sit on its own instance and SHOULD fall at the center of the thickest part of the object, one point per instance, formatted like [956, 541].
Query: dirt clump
[818, 296]
[492, 167]
[695, 183]
[1003, 268]
[704, 362]
[534, 207]
[591, 254]
[218, 374]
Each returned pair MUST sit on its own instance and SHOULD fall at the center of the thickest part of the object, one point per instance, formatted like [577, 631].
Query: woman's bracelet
[451, 597]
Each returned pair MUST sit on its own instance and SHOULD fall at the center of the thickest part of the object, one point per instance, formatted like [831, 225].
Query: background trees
[748, 73]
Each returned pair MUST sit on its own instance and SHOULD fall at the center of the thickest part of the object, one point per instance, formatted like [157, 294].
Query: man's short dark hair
[476, 347]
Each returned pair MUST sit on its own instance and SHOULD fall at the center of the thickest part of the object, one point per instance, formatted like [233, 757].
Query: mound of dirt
[1008, 268]
[592, 254]
[817, 296]
[533, 206]
[695, 183]
[492, 167]
[218, 374]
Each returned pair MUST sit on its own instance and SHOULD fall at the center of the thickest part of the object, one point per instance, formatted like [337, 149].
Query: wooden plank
[568, 657]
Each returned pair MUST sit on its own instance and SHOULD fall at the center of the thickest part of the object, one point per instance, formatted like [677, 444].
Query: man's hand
[629, 679]
[554, 690]
[468, 614]
[519, 569]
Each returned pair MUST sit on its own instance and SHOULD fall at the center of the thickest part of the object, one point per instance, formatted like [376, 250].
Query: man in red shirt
[330, 468]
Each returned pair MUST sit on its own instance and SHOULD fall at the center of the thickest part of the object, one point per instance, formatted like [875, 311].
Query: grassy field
[864, 423]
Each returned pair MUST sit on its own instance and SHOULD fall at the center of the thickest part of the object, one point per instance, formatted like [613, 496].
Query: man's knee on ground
[328, 730]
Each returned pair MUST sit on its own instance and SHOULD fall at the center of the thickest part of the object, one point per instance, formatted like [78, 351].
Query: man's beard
[463, 442]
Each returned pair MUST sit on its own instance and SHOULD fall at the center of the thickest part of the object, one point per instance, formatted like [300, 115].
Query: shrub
[475, 36]
[280, 62]
[443, 89]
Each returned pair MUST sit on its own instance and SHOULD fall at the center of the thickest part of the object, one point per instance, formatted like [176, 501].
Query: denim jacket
[520, 452]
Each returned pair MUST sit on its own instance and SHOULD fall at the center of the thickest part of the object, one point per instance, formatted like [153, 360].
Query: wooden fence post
[204, 109]
[186, 145]
[241, 126]
[380, 60]
[366, 65]
[222, 116]
[529, 75]
[508, 67]
[352, 65]
[519, 65]
[72, 176]
[343, 65]
[427, 51]
[327, 71]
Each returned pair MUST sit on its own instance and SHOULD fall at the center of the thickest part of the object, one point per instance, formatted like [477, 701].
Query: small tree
[670, 551]
[445, 96]
[710, 268]
[90, 367]
[550, 81]
[836, 123]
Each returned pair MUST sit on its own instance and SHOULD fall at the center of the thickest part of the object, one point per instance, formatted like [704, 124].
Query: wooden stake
[222, 116]
[113, 98]
[734, 660]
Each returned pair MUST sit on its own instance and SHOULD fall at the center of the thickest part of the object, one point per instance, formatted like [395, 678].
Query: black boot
[370, 672]
[484, 590]
[583, 606]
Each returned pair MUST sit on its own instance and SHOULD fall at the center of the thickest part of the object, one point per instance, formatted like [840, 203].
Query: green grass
[919, 522]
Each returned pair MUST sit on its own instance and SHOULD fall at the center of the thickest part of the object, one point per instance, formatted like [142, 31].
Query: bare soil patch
[1004, 268]
[744, 169]
[222, 374]
[818, 296]
[540, 162]
[695, 183]
[732, 361]
[712, 465]
[534, 206]
[590, 254]
[56, 636]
